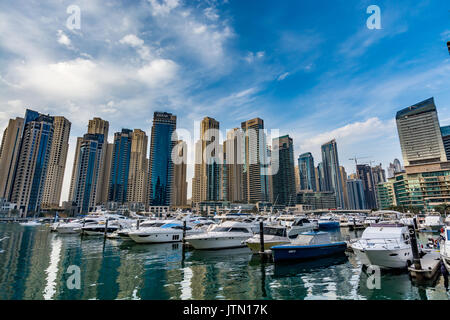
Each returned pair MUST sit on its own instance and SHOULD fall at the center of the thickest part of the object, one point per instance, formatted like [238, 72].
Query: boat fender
[409, 263]
[436, 242]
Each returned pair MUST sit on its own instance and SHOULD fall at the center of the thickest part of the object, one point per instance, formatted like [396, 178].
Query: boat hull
[390, 259]
[217, 243]
[361, 255]
[156, 237]
[292, 252]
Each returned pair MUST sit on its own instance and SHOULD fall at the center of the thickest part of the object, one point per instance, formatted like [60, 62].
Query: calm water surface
[34, 264]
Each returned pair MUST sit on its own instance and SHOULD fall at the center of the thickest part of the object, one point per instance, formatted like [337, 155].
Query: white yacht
[169, 231]
[229, 234]
[115, 222]
[385, 245]
[445, 248]
[76, 225]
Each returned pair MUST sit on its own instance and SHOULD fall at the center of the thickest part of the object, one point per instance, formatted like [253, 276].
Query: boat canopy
[311, 238]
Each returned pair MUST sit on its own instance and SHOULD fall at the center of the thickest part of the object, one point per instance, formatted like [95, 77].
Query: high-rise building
[297, 178]
[331, 172]
[179, 191]
[120, 166]
[446, 140]
[138, 170]
[420, 134]
[356, 198]
[206, 184]
[32, 163]
[255, 181]
[88, 166]
[234, 165]
[394, 168]
[57, 163]
[9, 154]
[283, 181]
[96, 126]
[365, 174]
[343, 174]
[161, 168]
[307, 172]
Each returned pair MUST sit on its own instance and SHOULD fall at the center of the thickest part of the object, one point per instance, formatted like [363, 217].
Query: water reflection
[34, 263]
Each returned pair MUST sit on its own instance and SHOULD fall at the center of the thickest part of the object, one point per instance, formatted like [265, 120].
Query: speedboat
[328, 223]
[308, 245]
[76, 225]
[445, 248]
[371, 220]
[31, 223]
[170, 231]
[109, 222]
[385, 245]
[229, 234]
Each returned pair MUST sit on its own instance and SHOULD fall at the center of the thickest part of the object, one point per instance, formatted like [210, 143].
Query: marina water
[38, 264]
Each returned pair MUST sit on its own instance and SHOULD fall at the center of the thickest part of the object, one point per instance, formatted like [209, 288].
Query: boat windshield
[239, 230]
[281, 232]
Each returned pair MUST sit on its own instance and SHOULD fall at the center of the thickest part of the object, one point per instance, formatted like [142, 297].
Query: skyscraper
[255, 181]
[9, 154]
[233, 162]
[161, 167]
[283, 181]
[307, 172]
[420, 134]
[365, 174]
[120, 166]
[179, 192]
[356, 199]
[57, 163]
[343, 174]
[331, 173]
[297, 178]
[446, 140]
[86, 175]
[32, 163]
[138, 170]
[206, 184]
[95, 126]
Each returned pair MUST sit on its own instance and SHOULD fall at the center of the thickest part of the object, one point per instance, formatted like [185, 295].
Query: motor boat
[229, 234]
[432, 223]
[308, 245]
[76, 225]
[445, 248]
[371, 220]
[328, 223]
[273, 235]
[170, 231]
[111, 222]
[385, 245]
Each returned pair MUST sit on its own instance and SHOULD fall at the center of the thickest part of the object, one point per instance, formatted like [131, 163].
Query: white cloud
[157, 73]
[63, 38]
[132, 40]
[283, 76]
[163, 7]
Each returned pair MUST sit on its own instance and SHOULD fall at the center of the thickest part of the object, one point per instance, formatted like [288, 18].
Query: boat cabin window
[239, 230]
[221, 229]
[281, 232]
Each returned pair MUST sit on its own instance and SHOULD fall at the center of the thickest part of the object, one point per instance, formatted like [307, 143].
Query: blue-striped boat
[308, 245]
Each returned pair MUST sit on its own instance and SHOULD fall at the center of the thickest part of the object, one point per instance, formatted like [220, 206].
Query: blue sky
[311, 69]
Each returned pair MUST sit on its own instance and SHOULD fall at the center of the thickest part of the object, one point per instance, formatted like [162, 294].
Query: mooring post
[106, 227]
[82, 228]
[184, 233]
[414, 248]
[261, 237]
